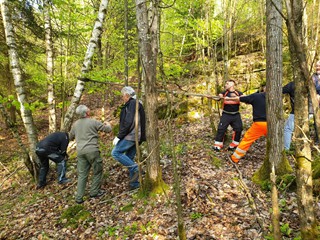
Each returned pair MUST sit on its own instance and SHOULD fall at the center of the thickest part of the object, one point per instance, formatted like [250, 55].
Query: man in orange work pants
[259, 126]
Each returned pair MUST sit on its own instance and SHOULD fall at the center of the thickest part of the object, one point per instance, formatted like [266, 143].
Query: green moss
[75, 215]
[154, 187]
[215, 161]
[316, 167]
[127, 208]
[264, 171]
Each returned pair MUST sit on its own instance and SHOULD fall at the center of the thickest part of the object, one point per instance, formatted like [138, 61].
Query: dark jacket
[127, 121]
[289, 89]
[316, 81]
[55, 142]
[258, 102]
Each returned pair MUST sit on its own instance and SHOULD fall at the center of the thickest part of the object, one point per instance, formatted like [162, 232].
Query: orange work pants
[257, 130]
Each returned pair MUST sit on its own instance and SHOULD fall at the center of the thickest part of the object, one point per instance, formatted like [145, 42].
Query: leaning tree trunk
[148, 55]
[49, 53]
[301, 133]
[26, 115]
[87, 64]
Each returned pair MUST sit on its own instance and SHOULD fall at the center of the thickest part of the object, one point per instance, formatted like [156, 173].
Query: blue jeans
[288, 130]
[44, 167]
[124, 152]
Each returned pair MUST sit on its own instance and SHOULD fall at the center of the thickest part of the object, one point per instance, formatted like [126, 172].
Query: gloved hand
[115, 141]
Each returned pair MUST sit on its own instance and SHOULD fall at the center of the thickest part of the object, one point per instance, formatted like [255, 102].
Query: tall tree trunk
[302, 81]
[148, 54]
[274, 101]
[226, 43]
[50, 63]
[275, 156]
[126, 42]
[87, 64]
[26, 115]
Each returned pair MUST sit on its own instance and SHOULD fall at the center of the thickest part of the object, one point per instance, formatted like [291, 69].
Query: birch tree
[87, 64]
[50, 61]
[31, 161]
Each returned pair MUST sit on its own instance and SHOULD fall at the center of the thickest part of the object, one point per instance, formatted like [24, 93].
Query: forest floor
[214, 196]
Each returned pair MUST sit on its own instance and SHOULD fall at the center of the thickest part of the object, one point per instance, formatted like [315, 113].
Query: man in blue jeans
[289, 124]
[124, 150]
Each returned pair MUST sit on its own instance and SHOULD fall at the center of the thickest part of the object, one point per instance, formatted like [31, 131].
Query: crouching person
[53, 147]
[85, 132]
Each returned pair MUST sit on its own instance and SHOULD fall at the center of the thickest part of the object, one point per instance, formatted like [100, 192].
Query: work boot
[217, 149]
[134, 181]
[64, 181]
[232, 148]
[40, 186]
[234, 159]
[99, 194]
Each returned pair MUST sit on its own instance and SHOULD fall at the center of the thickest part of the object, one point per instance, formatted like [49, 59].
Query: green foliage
[195, 216]
[181, 148]
[147, 228]
[75, 215]
[316, 166]
[174, 69]
[131, 229]
[285, 181]
[127, 208]
[110, 230]
[285, 229]
[9, 101]
[215, 161]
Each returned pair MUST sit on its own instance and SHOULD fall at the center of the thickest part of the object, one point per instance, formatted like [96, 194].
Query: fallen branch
[216, 98]
[17, 169]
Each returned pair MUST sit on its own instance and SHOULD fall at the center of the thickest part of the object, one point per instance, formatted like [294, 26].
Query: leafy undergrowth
[214, 201]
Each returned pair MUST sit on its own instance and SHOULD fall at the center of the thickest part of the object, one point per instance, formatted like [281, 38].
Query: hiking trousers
[85, 162]
[234, 120]
[257, 130]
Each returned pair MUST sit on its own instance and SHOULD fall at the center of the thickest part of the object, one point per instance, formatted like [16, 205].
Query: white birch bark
[87, 63]
[50, 65]
[19, 84]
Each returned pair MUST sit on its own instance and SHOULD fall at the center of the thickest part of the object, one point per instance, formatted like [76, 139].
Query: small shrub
[285, 229]
[195, 216]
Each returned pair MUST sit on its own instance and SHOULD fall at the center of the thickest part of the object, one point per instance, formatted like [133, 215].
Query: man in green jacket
[85, 132]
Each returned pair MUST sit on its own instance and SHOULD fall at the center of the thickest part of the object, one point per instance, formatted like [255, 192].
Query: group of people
[85, 132]
[231, 116]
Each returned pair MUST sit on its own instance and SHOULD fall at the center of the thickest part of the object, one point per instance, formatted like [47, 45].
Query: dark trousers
[60, 161]
[234, 120]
